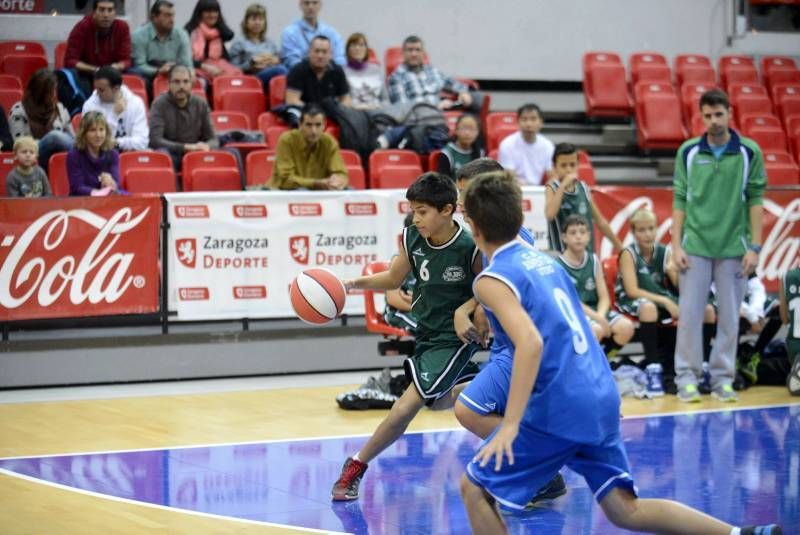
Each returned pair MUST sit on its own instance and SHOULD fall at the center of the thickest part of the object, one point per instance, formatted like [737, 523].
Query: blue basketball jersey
[575, 396]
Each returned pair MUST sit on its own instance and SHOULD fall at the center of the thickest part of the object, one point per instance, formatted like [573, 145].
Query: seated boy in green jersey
[398, 302]
[565, 195]
[441, 254]
[610, 328]
[790, 314]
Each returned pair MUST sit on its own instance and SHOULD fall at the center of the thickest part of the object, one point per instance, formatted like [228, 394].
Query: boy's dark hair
[528, 107]
[715, 97]
[574, 220]
[478, 167]
[564, 148]
[155, 9]
[408, 220]
[411, 39]
[312, 108]
[95, 2]
[434, 189]
[109, 73]
[175, 68]
[493, 202]
[321, 38]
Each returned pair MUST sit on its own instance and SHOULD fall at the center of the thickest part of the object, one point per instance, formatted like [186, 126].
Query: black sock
[709, 332]
[610, 346]
[648, 335]
[767, 334]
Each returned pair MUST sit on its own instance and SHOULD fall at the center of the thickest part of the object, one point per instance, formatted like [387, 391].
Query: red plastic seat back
[258, 167]
[9, 97]
[251, 102]
[22, 66]
[499, 125]
[7, 163]
[142, 180]
[10, 81]
[210, 171]
[230, 120]
[374, 321]
[393, 168]
[57, 174]
[27, 48]
[277, 91]
[610, 268]
[355, 170]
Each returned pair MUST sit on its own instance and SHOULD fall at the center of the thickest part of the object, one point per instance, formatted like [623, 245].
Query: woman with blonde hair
[93, 164]
[253, 51]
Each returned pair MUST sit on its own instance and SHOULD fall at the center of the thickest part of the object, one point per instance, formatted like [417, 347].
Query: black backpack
[70, 91]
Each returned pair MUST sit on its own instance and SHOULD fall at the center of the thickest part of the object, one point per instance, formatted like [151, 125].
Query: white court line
[163, 507]
[333, 437]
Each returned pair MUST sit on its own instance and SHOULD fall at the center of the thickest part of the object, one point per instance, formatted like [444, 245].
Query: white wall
[500, 39]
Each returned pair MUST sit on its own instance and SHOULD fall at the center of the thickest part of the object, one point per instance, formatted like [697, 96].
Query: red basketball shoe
[346, 487]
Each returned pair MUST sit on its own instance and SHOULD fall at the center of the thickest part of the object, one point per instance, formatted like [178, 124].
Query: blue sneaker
[655, 384]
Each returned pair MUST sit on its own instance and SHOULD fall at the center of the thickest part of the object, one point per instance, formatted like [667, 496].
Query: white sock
[355, 458]
[736, 531]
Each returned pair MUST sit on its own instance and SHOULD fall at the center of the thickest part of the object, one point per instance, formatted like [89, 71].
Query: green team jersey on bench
[584, 277]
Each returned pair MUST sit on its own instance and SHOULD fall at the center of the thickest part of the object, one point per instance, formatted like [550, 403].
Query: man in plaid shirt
[413, 81]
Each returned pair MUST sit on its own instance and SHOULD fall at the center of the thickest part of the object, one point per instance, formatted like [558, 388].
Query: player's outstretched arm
[385, 280]
[499, 298]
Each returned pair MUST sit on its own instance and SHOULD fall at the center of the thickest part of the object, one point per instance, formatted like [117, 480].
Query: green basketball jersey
[584, 276]
[791, 292]
[578, 202]
[651, 277]
[444, 280]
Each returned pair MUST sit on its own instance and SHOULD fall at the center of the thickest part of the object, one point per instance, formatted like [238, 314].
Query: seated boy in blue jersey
[444, 260]
[532, 304]
[398, 302]
[610, 328]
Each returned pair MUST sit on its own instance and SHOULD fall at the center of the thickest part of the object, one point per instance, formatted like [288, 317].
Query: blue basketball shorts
[487, 393]
[537, 459]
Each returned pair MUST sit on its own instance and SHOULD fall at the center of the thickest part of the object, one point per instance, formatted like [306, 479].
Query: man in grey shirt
[158, 45]
[179, 121]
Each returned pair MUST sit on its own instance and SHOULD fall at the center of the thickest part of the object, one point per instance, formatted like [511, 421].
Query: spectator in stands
[566, 195]
[465, 146]
[5, 132]
[253, 51]
[124, 111]
[158, 45]
[43, 117]
[413, 81]
[208, 33]
[526, 152]
[99, 39]
[307, 157]
[365, 78]
[317, 77]
[297, 37]
[27, 179]
[180, 121]
[93, 164]
[716, 236]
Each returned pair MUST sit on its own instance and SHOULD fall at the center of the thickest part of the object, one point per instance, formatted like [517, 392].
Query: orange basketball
[317, 296]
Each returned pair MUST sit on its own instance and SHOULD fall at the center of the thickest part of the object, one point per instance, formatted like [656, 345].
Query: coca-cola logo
[781, 246]
[186, 249]
[249, 211]
[360, 208]
[305, 209]
[100, 275]
[249, 292]
[299, 249]
[199, 211]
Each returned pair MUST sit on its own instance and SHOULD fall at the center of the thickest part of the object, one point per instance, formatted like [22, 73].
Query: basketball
[317, 296]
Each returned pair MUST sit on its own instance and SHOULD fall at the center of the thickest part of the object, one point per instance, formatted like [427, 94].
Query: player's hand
[568, 180]
[348, 284]
[679, 258]
[499, 447]
[749, 263]
[481, 323]
[672, 308]
[465, 329]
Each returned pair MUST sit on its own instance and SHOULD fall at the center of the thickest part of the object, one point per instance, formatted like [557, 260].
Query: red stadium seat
[258, 167]
[604, 87]
[225, 83]
[690, 97]
[161, 180]
[749, 99]
[432, 162]
[134, 82]
[7, 163]
[585, 168]
[145, 160]
[22, 66]
[694, 68]
[393, 168]
[499, 125]
[59, 53]
[650, 66]
[249, 101]
[274, 133]
[26, 48]
[210, 171]
[787, 100]
[374, 321]
[76, 121]
[57, 174]
[781, 169]
[658, 116]
[737, 69]
[355, 170]
[766, 130]
[10, 81]
[267, 119]
[779, 69]
[230, 120]
[277, 91]
[9, 97]
[610, 268]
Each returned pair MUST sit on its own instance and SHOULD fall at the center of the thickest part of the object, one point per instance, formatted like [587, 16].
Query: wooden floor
[163, 421]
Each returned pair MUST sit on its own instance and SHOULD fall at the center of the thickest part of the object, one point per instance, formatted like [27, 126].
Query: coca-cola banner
[81, 256]
[234, 254]
[781, 235]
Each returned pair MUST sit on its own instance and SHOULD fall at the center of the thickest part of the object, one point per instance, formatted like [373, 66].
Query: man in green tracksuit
[716, 236]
